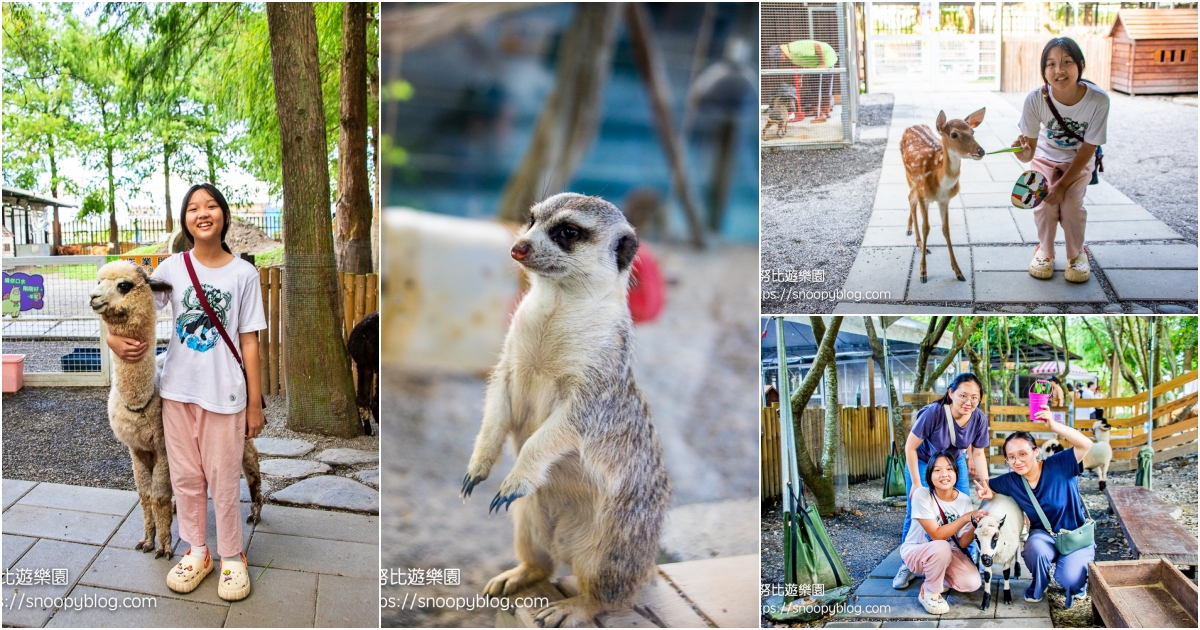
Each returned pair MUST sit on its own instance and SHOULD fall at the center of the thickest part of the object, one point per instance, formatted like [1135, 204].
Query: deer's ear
[941, 121]
[976, 118]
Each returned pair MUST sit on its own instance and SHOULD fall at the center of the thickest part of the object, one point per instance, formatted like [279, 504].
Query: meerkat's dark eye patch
[124, 286]
[566, 235]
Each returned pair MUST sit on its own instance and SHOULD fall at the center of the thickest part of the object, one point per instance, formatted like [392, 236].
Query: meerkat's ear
[159, 285]
[627, 247]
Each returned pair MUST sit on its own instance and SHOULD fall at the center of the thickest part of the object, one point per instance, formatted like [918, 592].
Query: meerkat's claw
[468, 485]
[505, 501]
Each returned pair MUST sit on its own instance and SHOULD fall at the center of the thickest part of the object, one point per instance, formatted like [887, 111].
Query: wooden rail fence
[360, 296]
[864, 434]
[1021, 67]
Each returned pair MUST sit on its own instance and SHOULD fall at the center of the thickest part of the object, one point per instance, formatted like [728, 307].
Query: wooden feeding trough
[1141, 594]
[1154, 51]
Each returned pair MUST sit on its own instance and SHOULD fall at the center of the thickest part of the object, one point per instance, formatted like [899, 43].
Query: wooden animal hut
[1154, 51]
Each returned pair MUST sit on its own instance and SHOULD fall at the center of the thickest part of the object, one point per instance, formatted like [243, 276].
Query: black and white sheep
[999, 538]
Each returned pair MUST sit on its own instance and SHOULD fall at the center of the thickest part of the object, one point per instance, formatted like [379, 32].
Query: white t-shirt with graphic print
[1088, 119]
[199, 367]
[923, 507]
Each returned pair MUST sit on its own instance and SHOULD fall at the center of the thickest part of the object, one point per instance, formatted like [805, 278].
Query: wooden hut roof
[1157, 23]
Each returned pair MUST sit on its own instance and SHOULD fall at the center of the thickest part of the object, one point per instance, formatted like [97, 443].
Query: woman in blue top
[931, 435]
[1054, 483]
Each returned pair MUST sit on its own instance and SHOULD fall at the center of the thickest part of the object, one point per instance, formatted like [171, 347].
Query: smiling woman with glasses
[1053, 483]
[952, 425]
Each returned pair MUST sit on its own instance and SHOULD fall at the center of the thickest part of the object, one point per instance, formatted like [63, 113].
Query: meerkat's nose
[520, 251]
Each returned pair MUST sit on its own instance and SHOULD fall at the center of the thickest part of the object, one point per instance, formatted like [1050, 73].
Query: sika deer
[931, 165]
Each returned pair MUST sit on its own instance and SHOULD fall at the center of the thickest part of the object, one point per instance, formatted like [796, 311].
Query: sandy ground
[696, 366]
[868, 532]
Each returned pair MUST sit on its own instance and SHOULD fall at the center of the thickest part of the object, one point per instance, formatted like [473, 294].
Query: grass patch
[269, 258]
[152, 248]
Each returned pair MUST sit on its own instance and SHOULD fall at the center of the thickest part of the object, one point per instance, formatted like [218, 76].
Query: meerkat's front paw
[515, 579]
[572, 612]
[511, 489]
[477, 471]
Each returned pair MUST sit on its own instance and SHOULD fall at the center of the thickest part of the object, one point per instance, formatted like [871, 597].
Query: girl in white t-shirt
[1060, 155]
[937, 549]
[209, 407]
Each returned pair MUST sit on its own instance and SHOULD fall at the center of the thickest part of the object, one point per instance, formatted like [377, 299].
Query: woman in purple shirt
[931, 433]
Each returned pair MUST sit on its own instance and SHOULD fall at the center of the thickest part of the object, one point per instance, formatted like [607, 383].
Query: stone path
[1140, 257]
[309, 568]
[317, 486]
[878, 604]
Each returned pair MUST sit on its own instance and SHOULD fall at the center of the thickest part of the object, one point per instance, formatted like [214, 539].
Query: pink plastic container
[1037, 401]
[14, 372]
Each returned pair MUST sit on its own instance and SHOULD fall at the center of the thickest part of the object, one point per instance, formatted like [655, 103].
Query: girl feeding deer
[210, 404]
[1063, 124]
[1060, 533]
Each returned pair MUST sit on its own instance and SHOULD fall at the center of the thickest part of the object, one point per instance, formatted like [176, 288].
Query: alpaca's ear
[159, 285]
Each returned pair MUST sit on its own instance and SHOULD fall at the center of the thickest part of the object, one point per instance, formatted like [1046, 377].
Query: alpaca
[363, 345]
[124, 299]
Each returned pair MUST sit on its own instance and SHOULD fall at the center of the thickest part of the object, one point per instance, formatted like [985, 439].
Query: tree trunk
[167, 186]
[571, 116]
[354, 191]
[320, 391]
[821, 488]
[895, 418]
[114, 234]
[933, 334]
[373, 93]
[959, 341]
[57, 228]
[833, 437]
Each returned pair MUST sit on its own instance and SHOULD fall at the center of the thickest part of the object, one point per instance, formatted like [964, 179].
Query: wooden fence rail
[864, 435]
[359, 298]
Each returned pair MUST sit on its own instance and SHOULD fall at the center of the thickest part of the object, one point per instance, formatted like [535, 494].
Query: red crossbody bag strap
[212, 317]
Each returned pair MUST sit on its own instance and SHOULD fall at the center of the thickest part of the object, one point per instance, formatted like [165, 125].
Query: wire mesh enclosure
[808, 97]
[932, 46]
[48, 318]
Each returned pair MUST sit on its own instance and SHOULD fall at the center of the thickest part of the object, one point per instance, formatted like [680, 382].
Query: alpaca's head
[122, 289]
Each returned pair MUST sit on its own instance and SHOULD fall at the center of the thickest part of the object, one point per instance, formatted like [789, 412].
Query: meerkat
[588, 487]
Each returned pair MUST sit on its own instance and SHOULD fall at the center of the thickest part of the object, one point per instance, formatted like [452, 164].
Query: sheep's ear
[1002, 519]
[974, 523]
[159, 285]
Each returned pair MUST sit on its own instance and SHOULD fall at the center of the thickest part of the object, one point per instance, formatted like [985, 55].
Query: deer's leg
[924, 242]
[912, 216]
[944, 208]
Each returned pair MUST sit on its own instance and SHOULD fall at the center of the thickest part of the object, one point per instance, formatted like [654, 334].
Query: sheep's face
[123, 287]
[987, 533]
[1100, 429]
[1051, 447]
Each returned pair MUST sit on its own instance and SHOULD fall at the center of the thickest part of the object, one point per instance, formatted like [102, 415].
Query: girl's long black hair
[220, 199]
[1020, 435]
[965, 377]
[933, 460]
[1071, 48]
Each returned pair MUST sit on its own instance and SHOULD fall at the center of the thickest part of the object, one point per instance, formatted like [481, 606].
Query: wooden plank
[1102, 599]
[360, 298]
[523, 617]
[1182, 589]
[656, 600]
[724, 590]
[372, 293]
[1146, 522]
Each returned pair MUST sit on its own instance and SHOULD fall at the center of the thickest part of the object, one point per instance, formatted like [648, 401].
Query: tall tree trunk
[373, 93]
[933, 334]
[960, 340]
[833, 437]
[114, 234]
[320, 391]
[821, 488]
[354, 191]
[57, 228]
[571, 116]
[167, 185]
[895, 418]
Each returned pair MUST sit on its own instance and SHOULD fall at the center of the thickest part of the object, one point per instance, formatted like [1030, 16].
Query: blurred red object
[648, 290]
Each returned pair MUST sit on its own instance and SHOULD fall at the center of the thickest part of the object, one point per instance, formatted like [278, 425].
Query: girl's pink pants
[204, 450]
[939, 562]
[1070, 213]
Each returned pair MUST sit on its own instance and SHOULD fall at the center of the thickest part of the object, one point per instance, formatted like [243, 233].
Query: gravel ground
[798, 191]
[40, 421]
[1151, 155]
[696, 367]
[864, 541]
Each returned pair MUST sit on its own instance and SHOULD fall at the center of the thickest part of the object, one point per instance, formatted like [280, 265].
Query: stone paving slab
[1104, 193]
[68, 525]
[14, 489]
[887, 608]
[888, 567]
[278, 519]
[369, 477]
[1129, 231]
[81, 499]
[1004, 171]
[1118, 212]
[1043, 622]
[1151, 256]
[870, 308]
[279, 447]
[899, 218]
[314, 555]
[1159, 284]
[15, 547]
[332, 492]
[1019, 286]
[279, 598]
[344, 602]
[992, 225]
[852, 624]
[131, 530]
[292, 468]
[895, 236]
[941, 284]
[197, 614]
[909, 624]
[347, 456]
[132, 570]
[881, 269]
[1008, 259]
[46, 554]
[1019, 607]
